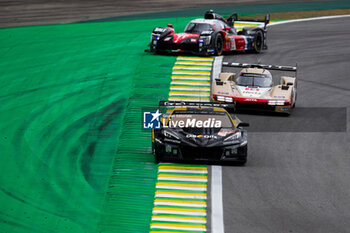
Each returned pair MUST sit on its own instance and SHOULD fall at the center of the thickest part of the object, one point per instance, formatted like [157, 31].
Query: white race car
[253, 87]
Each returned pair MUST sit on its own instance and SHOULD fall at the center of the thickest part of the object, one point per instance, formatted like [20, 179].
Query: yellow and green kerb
[190, 79]
[180, 203]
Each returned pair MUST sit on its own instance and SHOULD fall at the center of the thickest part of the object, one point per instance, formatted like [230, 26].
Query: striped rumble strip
[180, 203]
[190, 80]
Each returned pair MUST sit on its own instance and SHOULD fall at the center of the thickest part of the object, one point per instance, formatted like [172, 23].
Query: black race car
[200, 132]
[211, 36]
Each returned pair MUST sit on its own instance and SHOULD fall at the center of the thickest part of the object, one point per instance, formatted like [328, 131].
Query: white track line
[199, 73]
[191, 68]
[217, 67]
[180, 188]
[217, 213]
[179, 228]
[190, 95]
[159, 203]
[189, 100]
[178, 220]
[190, 83]
[194, 59]
[204, 179]
[193, 63]
[187, 89]
[199, 214]
[183, 171]
[182, 196]
[191, 78]
[308, 19]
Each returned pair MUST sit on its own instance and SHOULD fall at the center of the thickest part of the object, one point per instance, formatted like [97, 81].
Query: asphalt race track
[297, 180]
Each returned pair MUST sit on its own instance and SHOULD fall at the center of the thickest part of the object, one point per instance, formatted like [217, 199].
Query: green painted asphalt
[68, 93]
[129, 198]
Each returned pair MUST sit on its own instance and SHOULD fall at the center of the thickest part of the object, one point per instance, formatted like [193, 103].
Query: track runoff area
[180, 203]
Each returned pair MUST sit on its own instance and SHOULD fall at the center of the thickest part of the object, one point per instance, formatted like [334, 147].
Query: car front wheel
[219, 44]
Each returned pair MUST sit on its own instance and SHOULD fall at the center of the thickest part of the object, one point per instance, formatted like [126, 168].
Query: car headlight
[206, 39]
[158, 141]
[245, 142]
[234, 136]
[276, 102]
[170, 135]
[224, 98]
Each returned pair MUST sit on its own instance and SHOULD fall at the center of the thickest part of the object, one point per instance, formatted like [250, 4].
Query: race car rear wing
[234, 18]
[262, 66]
[197, 104]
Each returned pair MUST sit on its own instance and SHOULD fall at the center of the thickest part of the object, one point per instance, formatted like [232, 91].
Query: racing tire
[258, 42]
[237, 163]
[151, 47]
[155, 50]
[243, 150]
[157, 156]
[241, 164]
[218, 44]
[295, 100]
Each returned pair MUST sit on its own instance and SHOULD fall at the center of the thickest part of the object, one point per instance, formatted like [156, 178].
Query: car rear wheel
[295, 100]
[258, 42]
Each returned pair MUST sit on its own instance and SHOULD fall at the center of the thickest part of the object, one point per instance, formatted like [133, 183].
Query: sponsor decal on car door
[232, 43]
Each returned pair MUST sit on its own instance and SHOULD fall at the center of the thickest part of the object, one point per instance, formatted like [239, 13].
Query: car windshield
[256, 80]
[198, 27]
[182, 119]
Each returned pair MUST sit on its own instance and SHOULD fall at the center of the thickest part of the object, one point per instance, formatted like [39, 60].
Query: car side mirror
[243, 124]
[170, 25]
[235, 16]
[267, 18]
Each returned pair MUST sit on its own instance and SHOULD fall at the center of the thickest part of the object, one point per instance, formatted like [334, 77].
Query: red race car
[211, 36]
